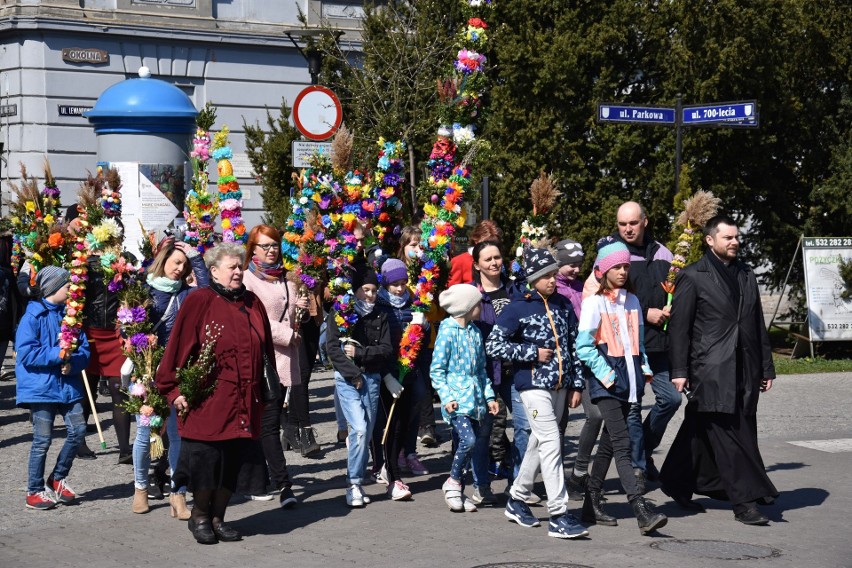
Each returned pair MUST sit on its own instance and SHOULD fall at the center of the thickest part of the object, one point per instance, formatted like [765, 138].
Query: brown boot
[140, 501]
[178, 505]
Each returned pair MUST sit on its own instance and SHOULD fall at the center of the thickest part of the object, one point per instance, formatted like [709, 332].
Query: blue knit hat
[538, 262]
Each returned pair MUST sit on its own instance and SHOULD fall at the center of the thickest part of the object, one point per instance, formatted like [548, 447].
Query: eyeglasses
[268, 246]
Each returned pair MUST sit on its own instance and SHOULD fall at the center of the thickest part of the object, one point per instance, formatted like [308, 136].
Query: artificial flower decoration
[388, 182]
[230, 196]
[200, 206]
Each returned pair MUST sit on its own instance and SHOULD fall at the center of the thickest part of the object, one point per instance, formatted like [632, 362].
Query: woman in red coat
[219, 431]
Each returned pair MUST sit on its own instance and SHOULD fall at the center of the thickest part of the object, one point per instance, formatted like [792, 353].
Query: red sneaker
[41, 500]
[63, 493]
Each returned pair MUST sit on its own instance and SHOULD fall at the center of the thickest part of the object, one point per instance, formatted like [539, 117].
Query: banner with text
[829, 313]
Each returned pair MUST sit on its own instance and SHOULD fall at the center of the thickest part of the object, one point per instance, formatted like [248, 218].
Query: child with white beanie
[467, 399]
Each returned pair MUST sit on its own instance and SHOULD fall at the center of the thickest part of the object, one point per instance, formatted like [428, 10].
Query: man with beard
[719, 350]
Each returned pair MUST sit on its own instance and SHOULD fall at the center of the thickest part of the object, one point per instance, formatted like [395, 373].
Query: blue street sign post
[640, 114]
[721, 114]
[742, 113]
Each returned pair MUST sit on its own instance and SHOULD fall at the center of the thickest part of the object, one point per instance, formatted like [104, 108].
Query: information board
[829, 314]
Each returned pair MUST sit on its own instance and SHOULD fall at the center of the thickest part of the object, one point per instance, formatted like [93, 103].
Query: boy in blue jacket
[50, 385]
[537, 331]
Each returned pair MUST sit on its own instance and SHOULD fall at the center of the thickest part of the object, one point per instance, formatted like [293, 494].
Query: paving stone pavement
[809, 522]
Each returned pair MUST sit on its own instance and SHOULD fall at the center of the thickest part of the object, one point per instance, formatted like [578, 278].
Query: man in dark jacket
[719, 350]
[649, 265]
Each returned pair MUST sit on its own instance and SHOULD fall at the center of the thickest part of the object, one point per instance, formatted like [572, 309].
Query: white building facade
[58, 56]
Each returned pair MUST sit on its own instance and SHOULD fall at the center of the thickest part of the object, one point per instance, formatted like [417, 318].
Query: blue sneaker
[566, 526]
[519, 512]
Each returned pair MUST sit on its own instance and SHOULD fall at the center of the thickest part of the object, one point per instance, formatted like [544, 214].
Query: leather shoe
[225, 533]
[202, 531]
[684, 502]
[752, 516]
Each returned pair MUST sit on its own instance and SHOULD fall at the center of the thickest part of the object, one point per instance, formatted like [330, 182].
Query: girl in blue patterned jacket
[458, 375]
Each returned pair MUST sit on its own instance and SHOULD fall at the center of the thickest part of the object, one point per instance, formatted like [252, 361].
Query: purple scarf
[572, 290]
[264, 271]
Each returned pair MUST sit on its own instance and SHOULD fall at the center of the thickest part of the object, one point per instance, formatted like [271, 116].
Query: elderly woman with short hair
[218, 431]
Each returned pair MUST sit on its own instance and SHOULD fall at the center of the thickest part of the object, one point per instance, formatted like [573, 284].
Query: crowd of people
[531, 346]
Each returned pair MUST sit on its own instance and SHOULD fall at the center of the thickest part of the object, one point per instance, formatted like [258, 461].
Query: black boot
[308, 442]
[576, 486]
[290, 437]
[200, 524]
[649, 520]
[593, 512]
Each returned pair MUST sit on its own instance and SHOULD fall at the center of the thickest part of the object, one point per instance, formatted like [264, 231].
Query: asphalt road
[809, 526]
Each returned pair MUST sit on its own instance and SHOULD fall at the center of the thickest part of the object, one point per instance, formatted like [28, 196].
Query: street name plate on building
[8, 110]
[629, 113]
[303, 150]
[84, 55]
[71, 110]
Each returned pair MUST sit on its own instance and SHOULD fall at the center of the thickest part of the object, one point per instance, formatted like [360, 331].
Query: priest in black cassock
[720, 355]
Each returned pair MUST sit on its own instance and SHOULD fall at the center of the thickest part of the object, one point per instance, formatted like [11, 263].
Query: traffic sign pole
[678, 141]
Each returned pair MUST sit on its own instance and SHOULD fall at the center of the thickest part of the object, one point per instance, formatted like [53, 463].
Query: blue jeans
[521, 429]
[141, 455]
[174, 445]
[644, 439]
[43, 415]
[359, 409]
[474, 437]
[338, 412]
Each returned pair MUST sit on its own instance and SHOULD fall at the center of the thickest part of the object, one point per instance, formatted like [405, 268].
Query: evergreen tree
[270, 154]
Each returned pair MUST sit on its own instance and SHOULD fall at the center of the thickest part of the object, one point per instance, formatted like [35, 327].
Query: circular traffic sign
[317, 112]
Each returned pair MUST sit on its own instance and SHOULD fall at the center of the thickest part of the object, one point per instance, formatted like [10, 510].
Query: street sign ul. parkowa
[628, 113]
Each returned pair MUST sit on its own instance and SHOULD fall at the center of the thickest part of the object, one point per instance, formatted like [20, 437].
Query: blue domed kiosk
[143, 120]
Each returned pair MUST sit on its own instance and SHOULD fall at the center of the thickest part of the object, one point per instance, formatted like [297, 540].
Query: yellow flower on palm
[48, 219]
[30, 206]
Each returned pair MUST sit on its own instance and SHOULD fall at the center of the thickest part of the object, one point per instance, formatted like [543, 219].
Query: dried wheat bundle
[544, 193]
[698, 209]
[341, 149]
[28, 190]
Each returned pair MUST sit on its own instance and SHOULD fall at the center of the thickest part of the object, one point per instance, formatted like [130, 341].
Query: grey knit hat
[50, 279]
[538, 262]
[459, 299]
[569, 252]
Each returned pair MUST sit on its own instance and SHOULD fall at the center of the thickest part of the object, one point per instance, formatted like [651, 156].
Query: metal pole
[678, 141]
[485, 197]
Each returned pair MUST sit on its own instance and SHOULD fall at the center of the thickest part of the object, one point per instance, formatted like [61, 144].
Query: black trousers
[614, 442]
[397, 428]
[298, 413]
[717, 455]
[270, 440]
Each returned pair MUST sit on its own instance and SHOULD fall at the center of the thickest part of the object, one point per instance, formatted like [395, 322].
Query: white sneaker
[262, 497]
[453, 495]
[354, 496]
[399, 491]
[382, 476]
[469, 506]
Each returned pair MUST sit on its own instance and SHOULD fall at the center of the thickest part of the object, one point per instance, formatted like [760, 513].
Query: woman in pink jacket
[265, 276]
